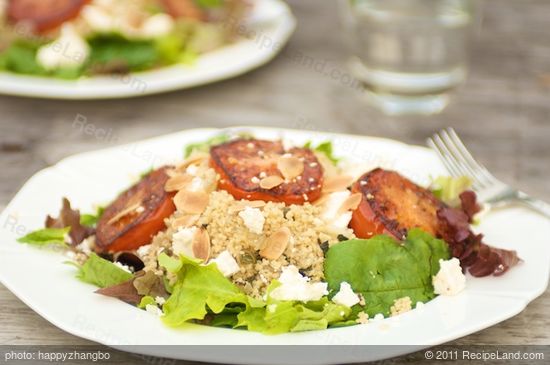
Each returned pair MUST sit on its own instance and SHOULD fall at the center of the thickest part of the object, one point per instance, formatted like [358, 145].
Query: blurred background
[501, 108]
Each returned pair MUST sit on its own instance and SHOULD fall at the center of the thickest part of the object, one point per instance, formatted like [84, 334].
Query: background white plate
[271, 24]
[39, 278]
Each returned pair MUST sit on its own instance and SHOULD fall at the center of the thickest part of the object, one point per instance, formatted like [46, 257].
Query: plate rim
[65, 89]
[524, 299]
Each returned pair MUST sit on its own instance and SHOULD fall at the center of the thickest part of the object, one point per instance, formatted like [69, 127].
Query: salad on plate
[70, 39]
[266, 236]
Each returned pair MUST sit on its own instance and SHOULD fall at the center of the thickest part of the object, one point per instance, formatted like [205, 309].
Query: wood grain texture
[503, 113]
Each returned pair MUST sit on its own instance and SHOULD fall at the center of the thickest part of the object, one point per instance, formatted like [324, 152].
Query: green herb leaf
[90, 220]
[325, 148]
[383, 270]
[209, 3]
[145, 301]
[101, 272]
[448, 189]
[46, 236]
[205, 146]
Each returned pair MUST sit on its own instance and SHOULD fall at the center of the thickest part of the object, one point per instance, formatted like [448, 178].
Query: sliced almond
[195, 159]
[271, 182]
[351, 203]
[322, 200]
[242, 204]
[276, 244]
[337, 183]
[201, 244]
[185, 221]
[290, 166]
[177, 182]
[134, 208]
[191, 202]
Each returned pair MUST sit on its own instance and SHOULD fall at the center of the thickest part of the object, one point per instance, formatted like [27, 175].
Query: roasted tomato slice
[244, 166]
[136, 215]
[392, 204]
[184, 9]
[43, 15]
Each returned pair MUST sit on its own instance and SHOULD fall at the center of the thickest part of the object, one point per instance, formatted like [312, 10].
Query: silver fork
[490, 190]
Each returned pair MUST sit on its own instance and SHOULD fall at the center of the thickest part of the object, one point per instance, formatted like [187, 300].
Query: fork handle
[536, 204]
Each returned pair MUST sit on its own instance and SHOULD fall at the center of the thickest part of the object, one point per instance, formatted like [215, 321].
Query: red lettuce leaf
[69, 217]
[479, 258]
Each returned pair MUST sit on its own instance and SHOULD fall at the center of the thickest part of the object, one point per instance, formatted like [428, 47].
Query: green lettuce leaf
[383, 270]
[102, 273]
[205, 145]
[145, 301]
[90, 220]
[46, 236]
[202, 293]
[325, 148]
[198, 289]
[448, 188]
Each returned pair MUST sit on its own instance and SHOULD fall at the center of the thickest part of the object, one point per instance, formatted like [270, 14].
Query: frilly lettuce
[202, 293]
[101, 272]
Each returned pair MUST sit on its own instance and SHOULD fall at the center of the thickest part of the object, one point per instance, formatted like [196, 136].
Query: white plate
[41, 280]
[270, 25]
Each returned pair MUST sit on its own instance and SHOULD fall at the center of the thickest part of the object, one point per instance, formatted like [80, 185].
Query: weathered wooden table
[503, 112]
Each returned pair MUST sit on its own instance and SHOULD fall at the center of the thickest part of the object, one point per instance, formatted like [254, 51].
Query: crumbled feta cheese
[143, 250]
[401, 306]
[153, 309]
[449, 280]
[157, 25]
[419, 305]
[69, 50]
[182, 241]
[346, 296]
[108, 16]
[272, 308]
[160, 300]
[123, 267]
[294, 286]
[378, 317]
[86, 245]
[331, 207]
[255, 180]
[226, 263]
[253, 219]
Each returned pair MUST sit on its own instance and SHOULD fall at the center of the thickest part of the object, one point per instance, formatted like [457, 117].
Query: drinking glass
[409, 54]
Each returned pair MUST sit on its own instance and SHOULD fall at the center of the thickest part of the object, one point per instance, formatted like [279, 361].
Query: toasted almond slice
[271, 182]
[290, 166]
[321, 201]
[191, 202]
[275, 245]
[177, 182]
[131, 209]
[201, 244]
[195, 159]
[337, 183]
[242, 204]
[351, 203]
[185, 221]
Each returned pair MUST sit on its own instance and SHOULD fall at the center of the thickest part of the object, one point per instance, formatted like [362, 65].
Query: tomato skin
[226, 184]
[364, 221]
[186, 9]
[43, 15]
[142, 234]
[143, 206]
